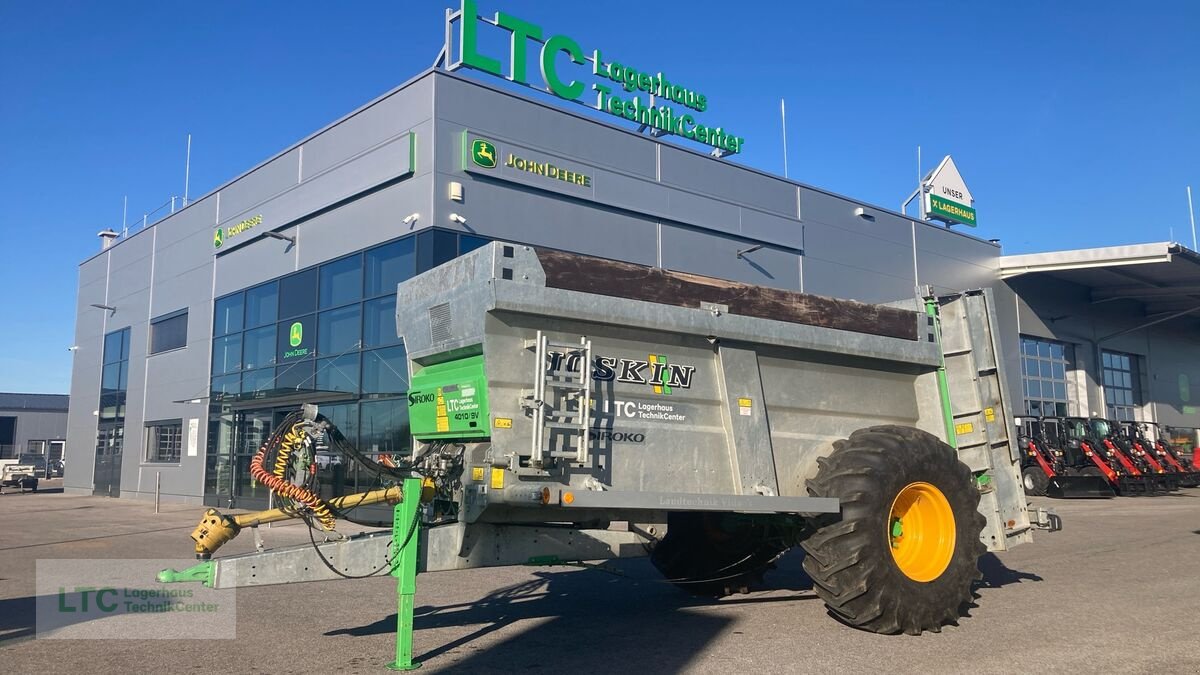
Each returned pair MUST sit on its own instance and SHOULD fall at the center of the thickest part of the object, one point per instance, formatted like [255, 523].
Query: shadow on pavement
[17, 616]
[996, 574]
[568, 609]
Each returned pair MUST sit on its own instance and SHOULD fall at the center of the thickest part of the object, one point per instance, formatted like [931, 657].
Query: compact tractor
[1054, 466]
[1164, 453]
[568, 408]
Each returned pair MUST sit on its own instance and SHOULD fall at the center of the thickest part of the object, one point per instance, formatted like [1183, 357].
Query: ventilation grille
[439, 322]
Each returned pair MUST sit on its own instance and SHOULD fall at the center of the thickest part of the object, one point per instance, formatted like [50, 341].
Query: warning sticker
[989, 414]
[477, 473]
[503, 422]
[964, 428]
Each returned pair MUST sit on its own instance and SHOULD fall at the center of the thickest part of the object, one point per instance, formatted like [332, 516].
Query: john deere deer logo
[296, 335]
[483, 153]
[218, 238]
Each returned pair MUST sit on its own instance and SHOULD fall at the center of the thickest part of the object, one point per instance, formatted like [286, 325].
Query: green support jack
[405, 571]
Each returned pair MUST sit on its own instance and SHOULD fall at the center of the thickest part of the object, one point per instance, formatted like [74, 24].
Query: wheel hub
[921, 531]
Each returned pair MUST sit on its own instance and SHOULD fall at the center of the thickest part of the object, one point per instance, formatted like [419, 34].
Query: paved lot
[1115, 592]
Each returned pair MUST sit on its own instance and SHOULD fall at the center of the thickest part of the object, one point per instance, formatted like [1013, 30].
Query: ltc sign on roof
[946, 195]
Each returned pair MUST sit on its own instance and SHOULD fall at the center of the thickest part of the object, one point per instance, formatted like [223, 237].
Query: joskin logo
[656, 371]
[296, 334]
[483, 153]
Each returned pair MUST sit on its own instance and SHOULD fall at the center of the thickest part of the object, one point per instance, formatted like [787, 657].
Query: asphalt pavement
[1115, 592]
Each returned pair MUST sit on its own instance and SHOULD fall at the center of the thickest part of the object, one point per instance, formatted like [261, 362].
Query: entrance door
[110, 444]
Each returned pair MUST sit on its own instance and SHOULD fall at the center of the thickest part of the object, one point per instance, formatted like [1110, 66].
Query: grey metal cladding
[263, 183]
[630, 192]
[714, 254]
[363, 222]
[192, 290]
[705, 176]
[685, 207]
[858, 251]
[525, 215]
[835, 279]
[486, 111]
[254, 263]
[383, 163]
[407, 109]
[768, 227]
[198, 217]
[130, 266]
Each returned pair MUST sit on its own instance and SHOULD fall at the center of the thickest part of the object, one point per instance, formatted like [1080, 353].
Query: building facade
[33, 424]
[197, 334]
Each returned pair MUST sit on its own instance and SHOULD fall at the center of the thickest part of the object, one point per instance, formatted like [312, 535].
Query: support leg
[404, 545]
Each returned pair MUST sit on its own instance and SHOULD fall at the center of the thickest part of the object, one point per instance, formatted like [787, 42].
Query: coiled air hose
[279, 485]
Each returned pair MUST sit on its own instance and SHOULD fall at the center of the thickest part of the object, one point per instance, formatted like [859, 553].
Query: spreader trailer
[569, 408]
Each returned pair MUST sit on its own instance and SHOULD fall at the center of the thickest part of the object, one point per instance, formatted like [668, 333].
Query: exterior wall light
[281, 236]
[742, 253]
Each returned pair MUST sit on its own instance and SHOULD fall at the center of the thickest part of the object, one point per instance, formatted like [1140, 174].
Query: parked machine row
[1078, 457]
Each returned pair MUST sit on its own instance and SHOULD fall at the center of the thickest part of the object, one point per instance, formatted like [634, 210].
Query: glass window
[296, 339]
[169, 333]
[258, 348]
[379, 322]
[341, 281]
[468, 243]
[295, 376]
[1044, 367]
[112, 347]
[298, 294]
[385, 371]
[116, 346]
[113, 377]
[388, 265]
[383, 428]
[338, 330]
[258, 380]
[435, 247]
[1121, 384]
[262, 305]
[228, 314]
[227, 354]
[226, 385]
[338, 374]
[164, 441]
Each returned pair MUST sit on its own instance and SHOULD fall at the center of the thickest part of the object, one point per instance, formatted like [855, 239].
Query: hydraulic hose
[282, 487]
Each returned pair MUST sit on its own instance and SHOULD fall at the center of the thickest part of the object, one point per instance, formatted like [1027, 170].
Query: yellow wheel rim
[921, 531]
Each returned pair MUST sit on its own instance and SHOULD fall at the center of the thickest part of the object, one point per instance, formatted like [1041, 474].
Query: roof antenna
[187, 170]
[783, 119]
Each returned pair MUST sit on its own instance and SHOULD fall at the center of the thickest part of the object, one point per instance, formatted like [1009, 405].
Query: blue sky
[1075, 124]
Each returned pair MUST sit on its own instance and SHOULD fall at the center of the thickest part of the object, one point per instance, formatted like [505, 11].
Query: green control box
[449, 400]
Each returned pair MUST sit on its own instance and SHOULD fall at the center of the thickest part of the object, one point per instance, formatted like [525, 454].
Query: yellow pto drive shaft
[216, 528]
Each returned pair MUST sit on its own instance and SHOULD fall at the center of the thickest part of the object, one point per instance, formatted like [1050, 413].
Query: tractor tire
[904, 553]
[715, 554]
[1035, 481]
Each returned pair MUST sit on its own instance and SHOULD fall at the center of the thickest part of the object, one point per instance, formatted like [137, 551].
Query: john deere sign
[521, 165]
[483, 153]
[649, 98]
[234, 230]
